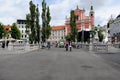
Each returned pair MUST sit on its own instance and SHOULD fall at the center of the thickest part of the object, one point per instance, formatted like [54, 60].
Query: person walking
[48, 45]
[70, 45]
[3, 44]
[56, 44]
[66, 46]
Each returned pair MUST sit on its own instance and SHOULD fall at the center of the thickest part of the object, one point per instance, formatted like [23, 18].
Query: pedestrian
[70, 45]
[3, 44]
[66, 46]
[56, 44]
[48, 45]
[7, 43]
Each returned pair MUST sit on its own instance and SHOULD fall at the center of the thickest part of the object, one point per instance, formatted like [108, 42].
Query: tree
[73, 28]
[32, 21]
[37, 25]
[48, 23]
[100, 35]
[2, 31]
[15, 32]
[44, 21]
[46, 29]
[93, 31]
[68, 37]
[27, 21]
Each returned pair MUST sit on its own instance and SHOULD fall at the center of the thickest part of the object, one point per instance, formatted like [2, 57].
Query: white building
[115, 29]
[21, 25]
[105, 32]
[57, 33]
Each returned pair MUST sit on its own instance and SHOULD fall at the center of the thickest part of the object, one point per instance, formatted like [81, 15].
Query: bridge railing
[117, 45]
[18, 46]
[100, 47]
[23, 46]
[95, 47]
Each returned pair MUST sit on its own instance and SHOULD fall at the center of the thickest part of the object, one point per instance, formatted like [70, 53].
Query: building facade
[114, 26]
[21, 25]
[83, 22]
[57, 33]
[105, 32]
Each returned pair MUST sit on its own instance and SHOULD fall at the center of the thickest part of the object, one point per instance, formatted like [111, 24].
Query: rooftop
[58, 27]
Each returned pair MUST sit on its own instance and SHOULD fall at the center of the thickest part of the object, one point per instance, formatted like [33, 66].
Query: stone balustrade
[24, 47]
[94, 47]
[100, 47]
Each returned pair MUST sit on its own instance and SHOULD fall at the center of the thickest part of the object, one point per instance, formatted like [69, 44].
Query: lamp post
[82, 33]
[115, 39]
[91, 43]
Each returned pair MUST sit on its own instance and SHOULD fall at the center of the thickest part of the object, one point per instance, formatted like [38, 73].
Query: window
[91, 14]
[25, 36]
[22, 36]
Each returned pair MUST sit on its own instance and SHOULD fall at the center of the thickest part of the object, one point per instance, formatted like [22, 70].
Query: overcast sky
[11, 10]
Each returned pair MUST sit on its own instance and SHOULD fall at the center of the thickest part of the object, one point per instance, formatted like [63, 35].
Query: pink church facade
[83, 22]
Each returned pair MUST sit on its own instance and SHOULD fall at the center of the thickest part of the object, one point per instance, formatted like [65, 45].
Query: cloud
[11, 10]
[62, 9]
[103, 15]
[59, 11]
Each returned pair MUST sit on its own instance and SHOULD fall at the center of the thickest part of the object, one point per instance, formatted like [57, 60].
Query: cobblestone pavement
[57, 64]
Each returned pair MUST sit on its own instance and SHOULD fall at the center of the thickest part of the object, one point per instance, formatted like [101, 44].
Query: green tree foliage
[37, 25]
[48, 23]
[100, 35]
[46, 29]
[27, 21]
[68, 37]
[2, 31]
[73, 28]
[43, 21]
[15, 32]
[33, 23]
[94, 31]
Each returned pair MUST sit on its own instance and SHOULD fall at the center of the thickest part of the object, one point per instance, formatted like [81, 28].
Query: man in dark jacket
[66, 46]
